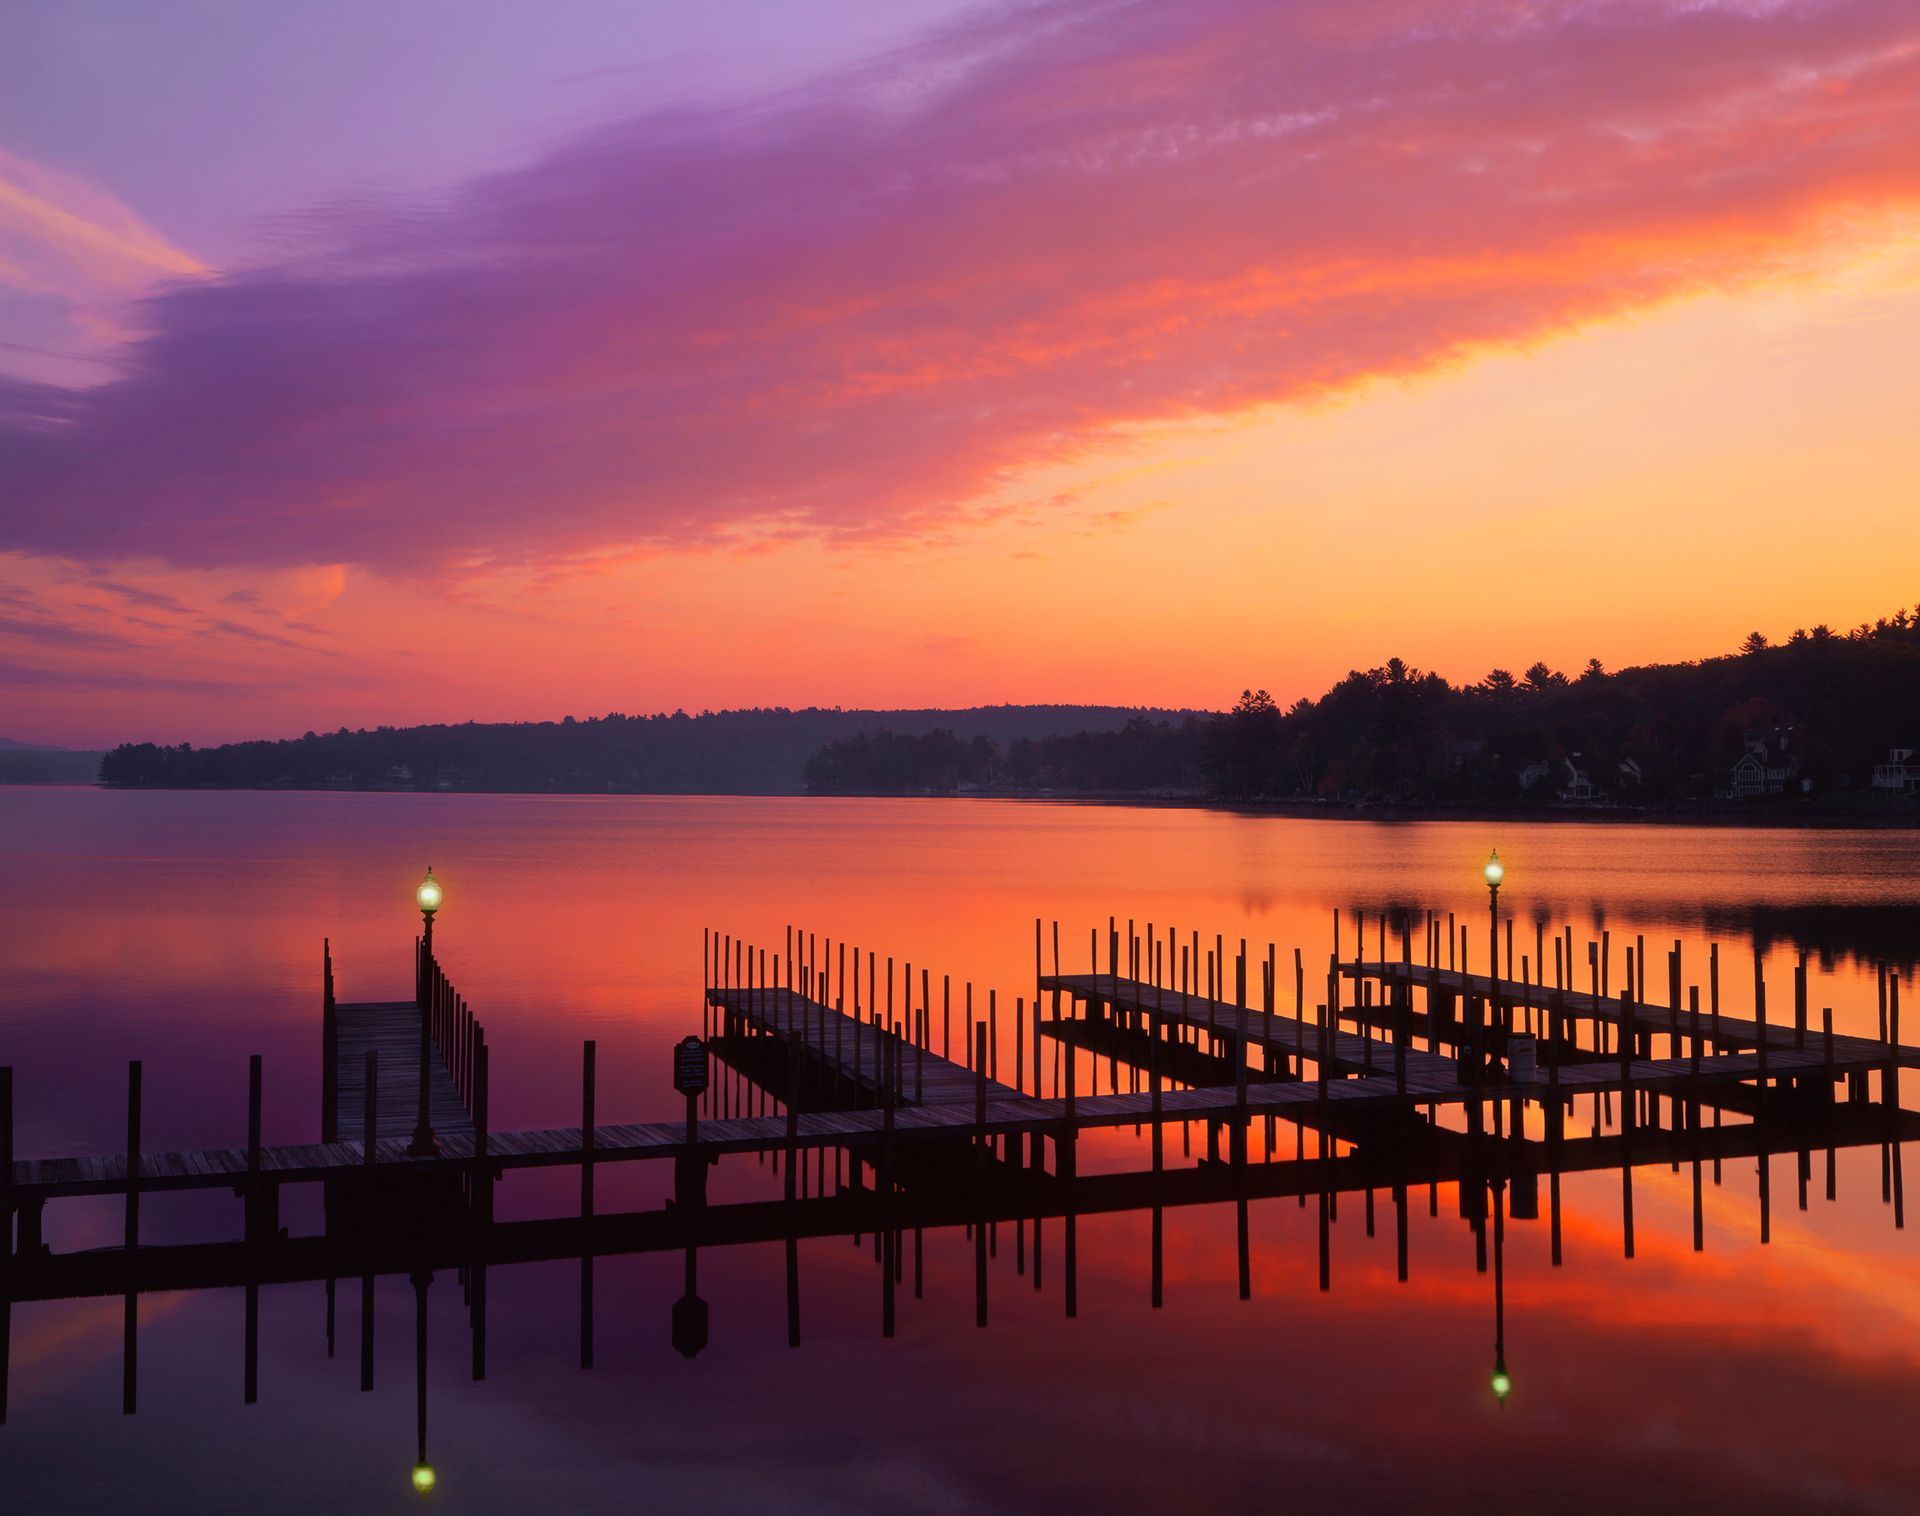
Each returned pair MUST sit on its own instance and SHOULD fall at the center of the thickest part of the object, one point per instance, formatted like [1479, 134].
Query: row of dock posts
[887, 1076]
[449, 1023]
[1496, 1012]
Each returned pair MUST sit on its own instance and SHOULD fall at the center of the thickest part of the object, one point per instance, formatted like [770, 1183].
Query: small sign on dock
[690, 1066]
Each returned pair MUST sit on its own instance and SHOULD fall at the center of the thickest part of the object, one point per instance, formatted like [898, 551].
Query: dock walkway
[390, 1029]
[1005, 1113]
[1727, 1030]
[847, 1048]
[1350, 1053]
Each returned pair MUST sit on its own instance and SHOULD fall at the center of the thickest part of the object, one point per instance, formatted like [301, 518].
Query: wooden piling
[370, 1111]
[482, 1171]
[254, 1204]
[6, 1168]
[1800, 1002]
[1890, 1076]
[329, 1049]
[130, 1335]
[1019, 1043]
[1693, 1020]
[993, 1034]
[1240, 1047]
[587, 1134]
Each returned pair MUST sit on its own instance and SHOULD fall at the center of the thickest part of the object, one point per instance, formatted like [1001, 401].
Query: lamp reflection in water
[1501, 1381]
[423, 1477]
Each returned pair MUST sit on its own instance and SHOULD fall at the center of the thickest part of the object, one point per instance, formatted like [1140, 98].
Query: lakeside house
[1769, 766]
[1576, 783]
[1900, 774]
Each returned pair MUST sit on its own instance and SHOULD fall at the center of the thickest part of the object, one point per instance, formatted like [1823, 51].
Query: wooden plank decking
[1728, 1030]
[848, 1048]
[1029, 1194]
[391, 1029]
[1282, 1033]
[1006, 1113]
[937, 1098]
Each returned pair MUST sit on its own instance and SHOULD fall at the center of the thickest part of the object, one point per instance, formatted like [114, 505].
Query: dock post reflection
[978, 1180]
[131, 1348]
[1502, 1381]
[792, 1191]
[1627, 1037]
[6, 1233]
[1157, 1140]
[587, 1055]
[423, 1474]
[883, 1178]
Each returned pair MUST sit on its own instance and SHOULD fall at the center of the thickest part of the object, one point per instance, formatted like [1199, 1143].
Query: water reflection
[1184, 1317]
[896, 1201]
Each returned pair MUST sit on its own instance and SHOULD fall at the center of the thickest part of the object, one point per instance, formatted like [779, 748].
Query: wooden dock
[1270, 1031]
[1032, 1194]
[1004, 1114]
[847, 1050]
[390, 1031]
[980, 1156]
[924, 1097]
[1714, 1029]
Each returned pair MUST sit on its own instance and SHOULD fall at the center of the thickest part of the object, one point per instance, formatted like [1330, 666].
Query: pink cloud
[853, 308]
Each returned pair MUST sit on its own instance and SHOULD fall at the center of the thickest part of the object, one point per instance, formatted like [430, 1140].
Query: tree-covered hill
[1817, 713]
[716, 752]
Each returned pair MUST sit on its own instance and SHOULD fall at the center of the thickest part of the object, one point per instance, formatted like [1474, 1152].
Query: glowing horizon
[1082, 351]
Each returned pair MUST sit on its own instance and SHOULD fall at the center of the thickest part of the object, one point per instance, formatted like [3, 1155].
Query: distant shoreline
[1848, 818]
[1751, 814]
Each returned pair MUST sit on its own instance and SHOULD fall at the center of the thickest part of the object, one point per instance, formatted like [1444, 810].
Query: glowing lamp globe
[428, 894]
[424, 1479]
[1495, 870]
[1502, 1383]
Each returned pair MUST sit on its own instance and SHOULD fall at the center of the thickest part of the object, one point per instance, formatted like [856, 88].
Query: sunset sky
[376, 363]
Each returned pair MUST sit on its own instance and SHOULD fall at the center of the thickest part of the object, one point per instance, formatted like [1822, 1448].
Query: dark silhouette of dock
[803, 1061]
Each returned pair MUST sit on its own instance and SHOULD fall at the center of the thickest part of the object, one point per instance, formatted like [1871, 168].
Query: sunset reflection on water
[185, 930]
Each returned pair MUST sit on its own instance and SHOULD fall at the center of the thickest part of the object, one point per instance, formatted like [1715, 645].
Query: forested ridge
[1821, 710]
[760, 751]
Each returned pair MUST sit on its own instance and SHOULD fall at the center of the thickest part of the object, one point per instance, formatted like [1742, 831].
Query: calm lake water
[185, 930]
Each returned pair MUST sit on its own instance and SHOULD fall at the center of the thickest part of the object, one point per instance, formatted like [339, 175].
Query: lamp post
[427, 895]
[1494, 872]
[1474, 1038]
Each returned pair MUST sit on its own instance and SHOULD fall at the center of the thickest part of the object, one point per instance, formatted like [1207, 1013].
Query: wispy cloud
[853, 308]
[216, 627]
[134, 594]
[137, 680]
[62, 634]
[60, 234]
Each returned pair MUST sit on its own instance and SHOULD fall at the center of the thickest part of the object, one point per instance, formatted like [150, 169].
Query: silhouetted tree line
[1141, 757]
[758, 751]
[1662, 734]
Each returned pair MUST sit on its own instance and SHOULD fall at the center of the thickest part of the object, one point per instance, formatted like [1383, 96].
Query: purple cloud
[50, 633]
[852, 308]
